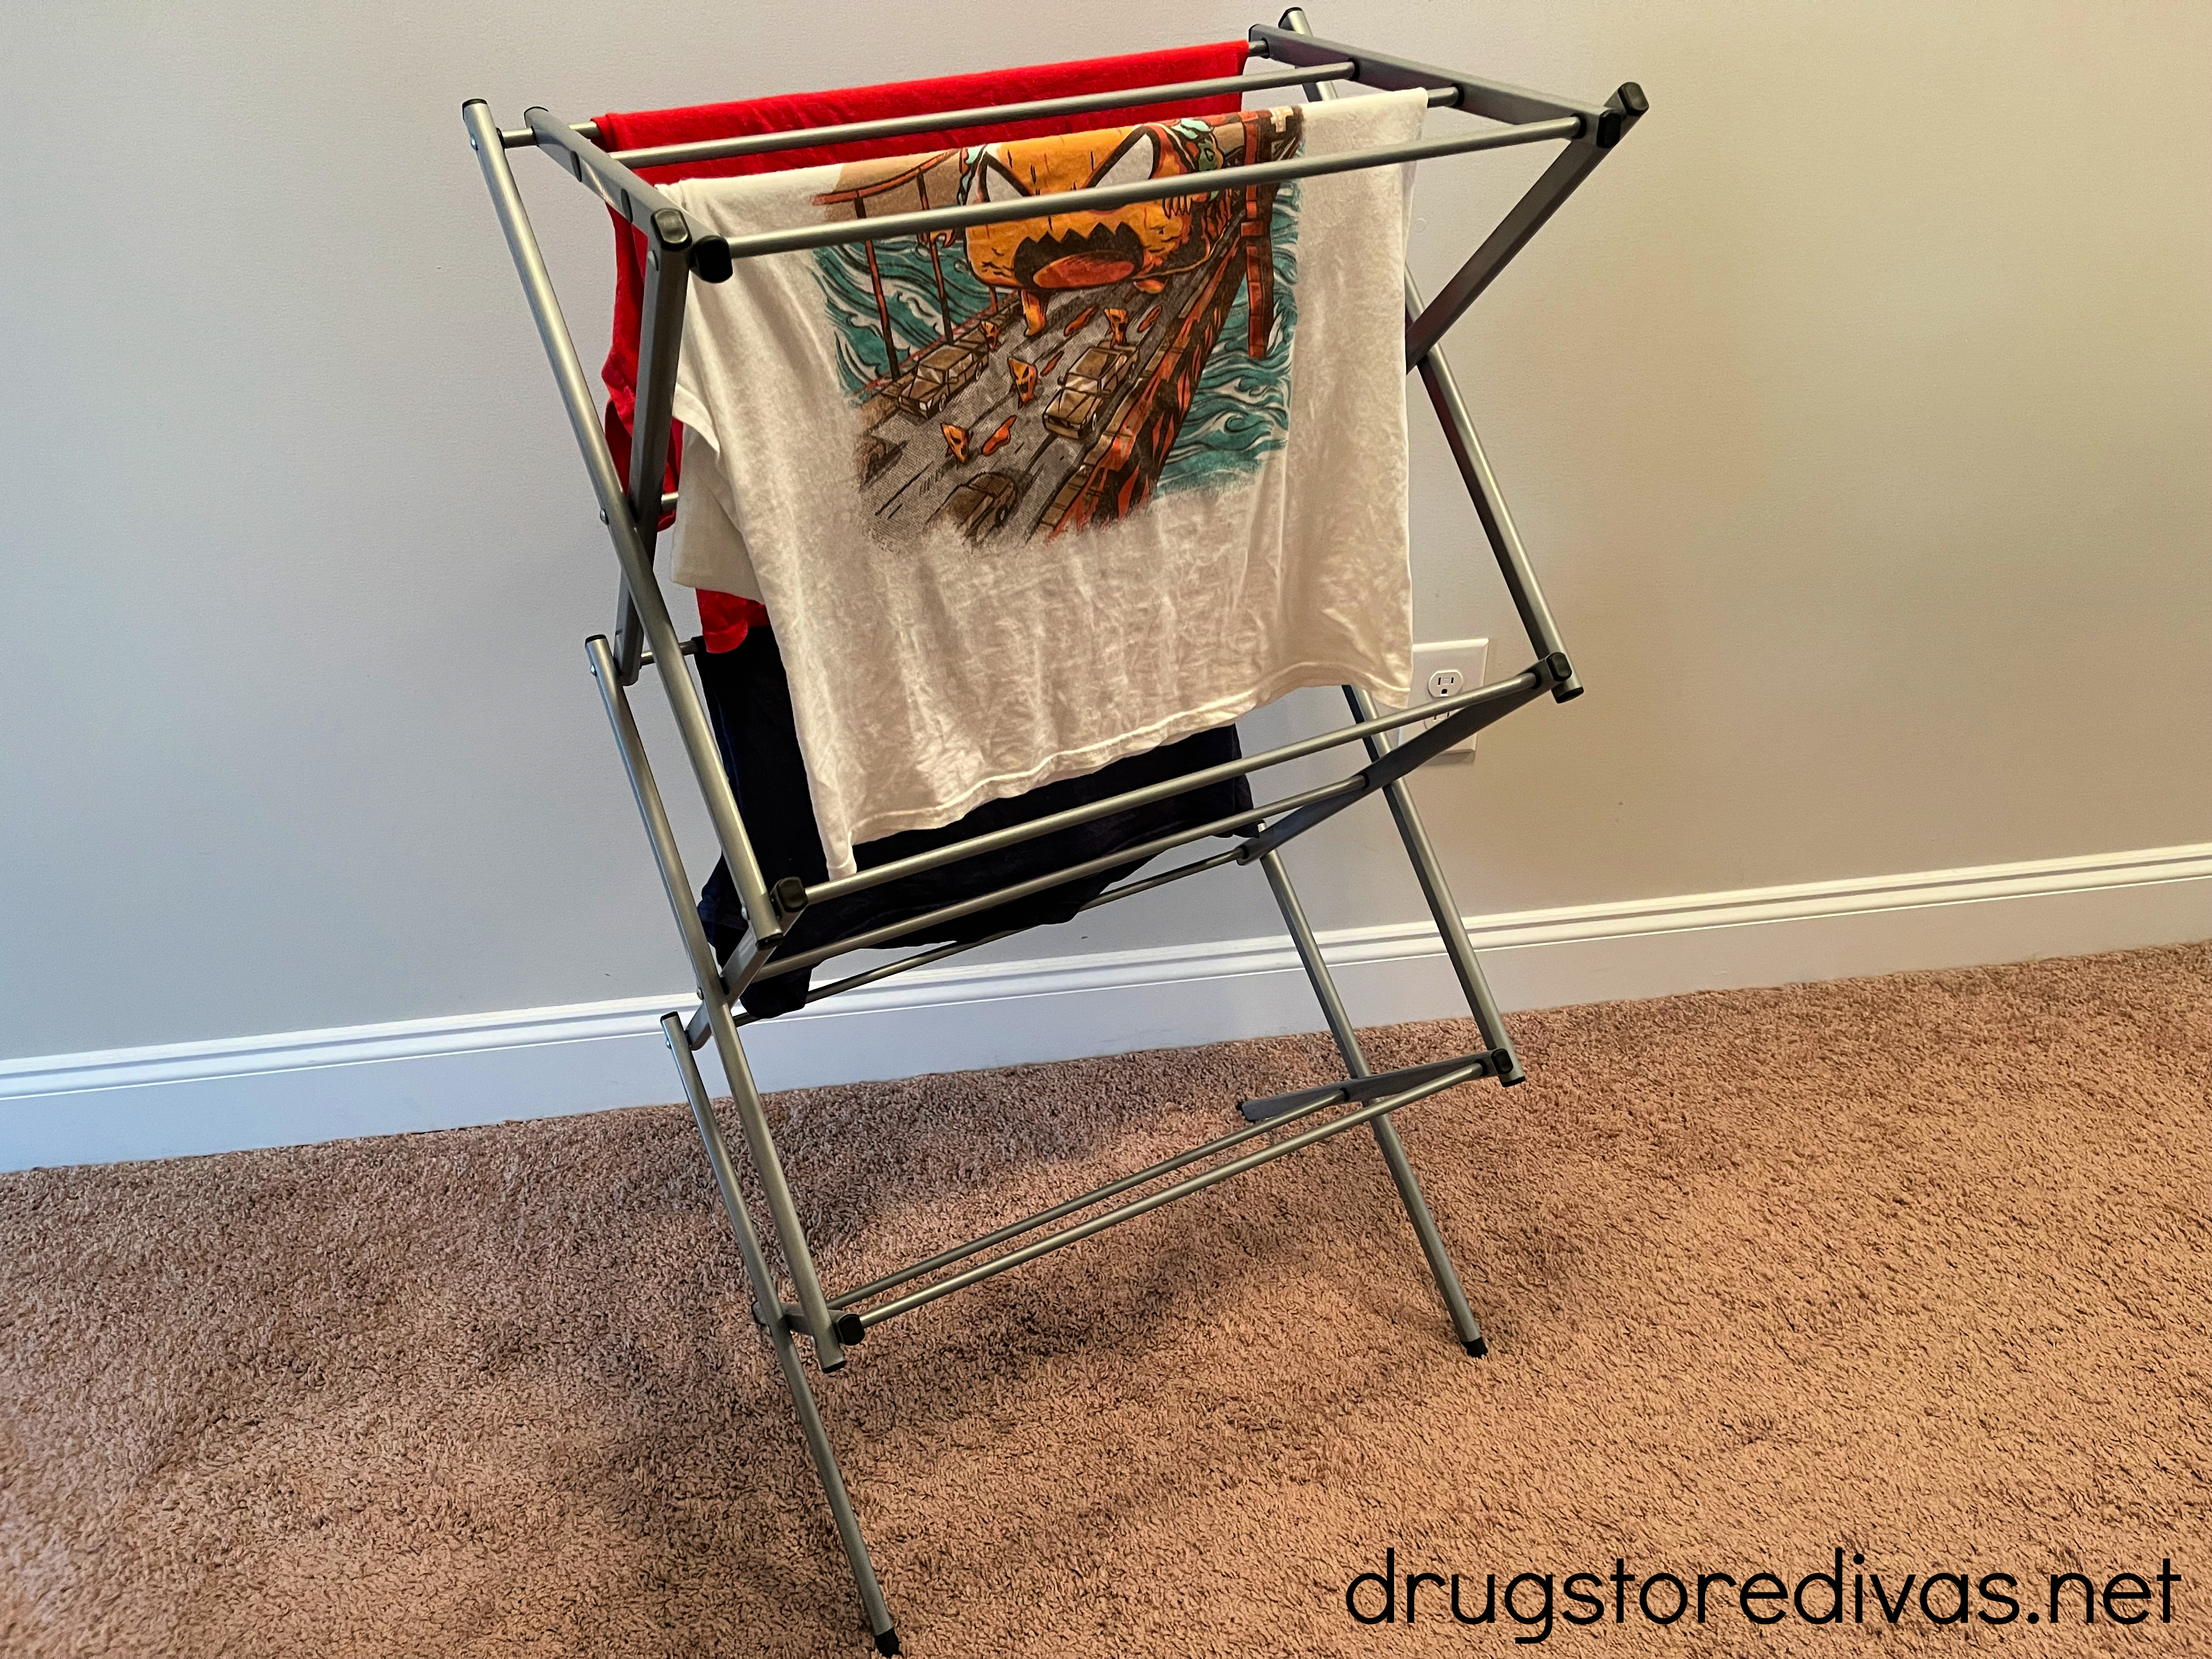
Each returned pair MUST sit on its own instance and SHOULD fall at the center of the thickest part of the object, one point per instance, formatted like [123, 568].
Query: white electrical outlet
[1446, 669]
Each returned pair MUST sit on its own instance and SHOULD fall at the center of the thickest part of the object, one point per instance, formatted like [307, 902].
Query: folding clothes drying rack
[644, 635]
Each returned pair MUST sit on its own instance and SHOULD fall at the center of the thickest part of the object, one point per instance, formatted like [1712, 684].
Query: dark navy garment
[751, 703]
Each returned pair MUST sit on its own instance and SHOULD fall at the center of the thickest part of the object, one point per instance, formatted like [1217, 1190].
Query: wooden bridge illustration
[1079, 418]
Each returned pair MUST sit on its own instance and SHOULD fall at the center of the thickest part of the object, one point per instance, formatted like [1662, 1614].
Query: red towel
[724, 617]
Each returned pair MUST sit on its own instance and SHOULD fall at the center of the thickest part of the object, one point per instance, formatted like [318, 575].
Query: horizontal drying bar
[1146, 190]
[899, 126]
[869, 1318]
[993, 841]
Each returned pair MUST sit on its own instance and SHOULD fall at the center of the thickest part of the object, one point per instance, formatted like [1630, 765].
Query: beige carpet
[1913, 1267]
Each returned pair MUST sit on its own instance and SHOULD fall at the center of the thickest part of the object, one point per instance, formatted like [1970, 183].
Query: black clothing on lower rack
[750, 701]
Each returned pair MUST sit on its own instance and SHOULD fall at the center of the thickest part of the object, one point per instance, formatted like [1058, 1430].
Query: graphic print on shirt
[1024, 380]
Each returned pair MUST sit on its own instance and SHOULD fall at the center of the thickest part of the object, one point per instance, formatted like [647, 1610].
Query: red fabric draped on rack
[724, 617]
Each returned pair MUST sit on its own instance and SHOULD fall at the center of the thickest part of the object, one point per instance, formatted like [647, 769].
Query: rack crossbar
[1493, 98]
[871, 1318]
[876, 875]
[843, 233]
[697, 1028]
[1444, 91]
[1303, 1108]
[1524, 219]
[1137, 854]
[1385, 769]
[744, 968]
[616, 184]
[900, 126]
[1275, 1108]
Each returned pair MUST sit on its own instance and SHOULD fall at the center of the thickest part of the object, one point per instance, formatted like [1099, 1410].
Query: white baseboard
[301, 1086]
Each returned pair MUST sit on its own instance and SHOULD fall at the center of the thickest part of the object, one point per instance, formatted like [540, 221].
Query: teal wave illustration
[1240, 410]
[1240, 407]
[910, 294]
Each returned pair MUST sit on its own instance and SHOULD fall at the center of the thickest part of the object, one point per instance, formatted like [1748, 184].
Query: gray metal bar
[899, 126]
[696, 1029]
[745, 964]
[876, 875]
[1290, 43]
[1150, 1201]
[630, 654]
[1465, 1325]
[525, 138]
[1393, 763]
[692, 648]
[1490, 507]
[768, 1314]
[1136, 855]
[661, 339]
[828, 1353]
[1528, 215]
[1608, 125]
[1134, 97]
[1429, 871]
[659, 833]
[1373, 1086]
[1095, 1195]
[1131, 888]
[621, 189]
[544, 308]
[1293, 22]
[691, 722]
[896, 225]
[1386, 1134]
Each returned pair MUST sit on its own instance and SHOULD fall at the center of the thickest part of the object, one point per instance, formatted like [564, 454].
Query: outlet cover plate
[1434, 664]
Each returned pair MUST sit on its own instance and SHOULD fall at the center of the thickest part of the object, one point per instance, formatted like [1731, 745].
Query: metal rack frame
[644, 635]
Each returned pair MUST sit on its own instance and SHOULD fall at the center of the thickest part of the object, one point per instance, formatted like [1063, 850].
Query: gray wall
[1858, 413]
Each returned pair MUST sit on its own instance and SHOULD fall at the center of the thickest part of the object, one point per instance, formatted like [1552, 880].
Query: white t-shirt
[1112, 479]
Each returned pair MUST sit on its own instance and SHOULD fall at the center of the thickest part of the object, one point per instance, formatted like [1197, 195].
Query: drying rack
[644, 635]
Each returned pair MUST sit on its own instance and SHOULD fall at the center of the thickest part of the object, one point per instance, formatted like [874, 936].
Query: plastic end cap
[711, 261]
[1561, 674]
[790, 894]
[1612, 120]
[887, 1643]
[1478, 1349]
[849, 1327]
